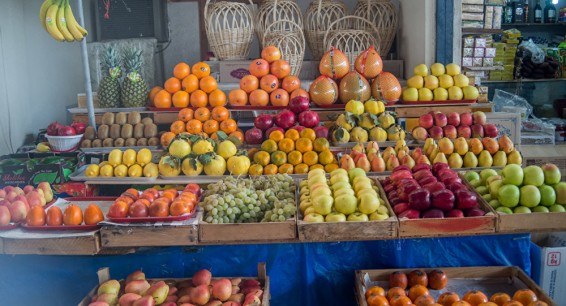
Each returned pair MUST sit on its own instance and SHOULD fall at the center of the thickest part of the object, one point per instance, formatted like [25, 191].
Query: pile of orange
[269, 83]
[73, 215]
[169, 202]
[292, 153]
[188, 87]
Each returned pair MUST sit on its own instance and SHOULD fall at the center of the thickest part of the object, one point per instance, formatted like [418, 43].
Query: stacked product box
[473, 14]
[478, 52]
[492, 19]
[511, 40]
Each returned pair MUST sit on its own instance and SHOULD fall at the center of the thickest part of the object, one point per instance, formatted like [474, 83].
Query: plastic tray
[8, 226]
[79, 176]
[444, 102]
[153, 219]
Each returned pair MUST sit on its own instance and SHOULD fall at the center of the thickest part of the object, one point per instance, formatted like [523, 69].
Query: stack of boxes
[480, 14]
[478, 52]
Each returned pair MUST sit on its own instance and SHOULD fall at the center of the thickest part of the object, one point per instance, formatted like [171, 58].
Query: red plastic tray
[252, 108]
[8, 226]
[331, 106]
[62, 227]
[438, 102]
[153, 219]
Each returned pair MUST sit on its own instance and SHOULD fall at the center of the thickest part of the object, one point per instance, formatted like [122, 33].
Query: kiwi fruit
[90, 133]
[97, 143]
[150, 130]
[87, 143]
[153, 142]
[108, 142]
[115, 131]
[134, 118]
[108, 118]
[121, 118]
[147, 120]
[138, 131]
[127, 131]
[130, 142]
[119, 142]
[142, 142]
[103, 131]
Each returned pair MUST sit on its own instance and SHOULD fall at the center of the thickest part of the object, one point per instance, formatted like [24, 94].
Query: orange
[270, 169]
[299, 93]
[286, 168]
[177, 127]
[321, 144]
[228, 126]
[475, 297]
[93, 215]
[500, 298]
[36, 216]
[424, 300]
[162, 99]
[54, 216]
[166, 139]
[73, 215]
[316, 166]
[278, 158]
[308, 133]
[301, 169]
[310, 158]
[220, 113]
[279, 97]
[200, 70]
[252, 152]
[291, 83]
[270, 54]
[303, 145]
[217, 98]
[202, 114]
[181, 99]
[190, 83]
[375, 290]
[286, 145]
[249, 83]
[392, 292]
[154, 92]
[185, 114]
[259, 67]
[295, 157]
[262, 158]
[255, 169]
[269, 146]
[239, 135]
[330, 167]
[208, 84]
[259, 97]
[325, 157]
[199, 98]
[172, 85]
[525, 296]
[237, 97]
[181, 70]
[210, 126]
[488, 304]
[513, 303]
[538, 303]
[448, 298]
[417, 291]
[461, 303]
[194, 127]
[376, 300]
[280, 68]
[292, 134]
[400, 300]
[269, 83]
[276, 136]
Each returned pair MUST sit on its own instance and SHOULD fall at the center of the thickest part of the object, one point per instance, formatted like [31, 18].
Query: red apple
[440, 120]
[18, 211]
[436, 132]
[466, 119]
[477, 131]
[4, 203]
[5, 215]
[450, 132]
[490, 130]
[426, 121]
[455, 213]
[479, 118]
[400, 208]
[454, 119]
[27, 189]
[11, 196]
[464, 131]
[410, 214]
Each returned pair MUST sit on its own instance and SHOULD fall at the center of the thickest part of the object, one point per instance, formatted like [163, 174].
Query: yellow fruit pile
[122, 164]
[293, 153]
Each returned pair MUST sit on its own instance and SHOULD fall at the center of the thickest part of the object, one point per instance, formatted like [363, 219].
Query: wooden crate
[148, 236]
[349, 231]
[487, 279]
[79, 245]
[104, 275]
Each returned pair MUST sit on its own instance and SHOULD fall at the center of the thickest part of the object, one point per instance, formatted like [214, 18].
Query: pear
[378, 164]
[358, 134]
[358, 147]
[514, 158]
[392, 163]
[485, 159]
[408, 161]
[470, 160]
[440, 158]
[372, 156]
[347, 163]
[363, 163]
[401, 154]
[423, 160]
[428, 142]
[372, 145]
[417, 153]
[500, 159]
[455, 161]
[461, 146]
[446, 146]
[505, 144]
[433, 154]
[406, 149]
[431, 149]
[378, 134]
[389, 151]
[399, 144]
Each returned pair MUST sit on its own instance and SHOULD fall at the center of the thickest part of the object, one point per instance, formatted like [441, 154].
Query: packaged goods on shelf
[472, 8]
[477, 2]
[472, 16]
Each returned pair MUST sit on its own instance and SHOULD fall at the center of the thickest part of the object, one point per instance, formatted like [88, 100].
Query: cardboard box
[472, 8]
[548, 259]
[33, 168]
[81, 100]
[507, 123]
[73, 189]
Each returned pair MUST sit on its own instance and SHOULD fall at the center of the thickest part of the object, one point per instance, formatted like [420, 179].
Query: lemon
[191, 167]
[107, 170]
[238, 165]
[92, 170]
[120, 171]
[226, 149]
[115, 157]
[135, 171]
[129, 157]
[102, 164]
[150, 170]
[202, 146]
[144, 157]
[179, 148]
[355, 107]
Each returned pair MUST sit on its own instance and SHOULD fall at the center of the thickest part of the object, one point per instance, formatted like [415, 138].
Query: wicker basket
[291, 45]
[64, 143]
[229, 28]
[319, 15]
[350, 41]
[271, 11]
[383, 15]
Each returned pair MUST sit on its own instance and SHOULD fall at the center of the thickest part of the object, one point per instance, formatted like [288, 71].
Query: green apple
[316, 172]
[382, 209]
[513, 175]
[557, 208]
[321, 191]
[378, 217]
[339, 178]
[309, 210]
[487, 197]
[504, 210]
[316, 180]
[494, 188]
[323, 204]
[541, 209]
[471, 175]
[368, 204]
[359, 185]
[530, 196]
[304, 205]
[492, 179]
[508, 195]
[344, 191]
[482, 190]
[560, 189]
[357, 216]
[552, 174]
[341, 185]
[338, 171]
[346, 204]
[494, 203]
[314, 218]
[335, 217]
[369, 191]
[522, 210]
[547, 195]
[533, 175]
[475, 183]
[484, 174]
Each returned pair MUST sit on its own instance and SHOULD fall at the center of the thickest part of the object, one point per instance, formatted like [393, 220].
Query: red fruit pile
[57, 129]
[453, 125]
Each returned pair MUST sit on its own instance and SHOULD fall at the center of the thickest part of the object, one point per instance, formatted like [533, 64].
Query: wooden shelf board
[481, 31]
[148, 236]
[81, 245]
[526, 81]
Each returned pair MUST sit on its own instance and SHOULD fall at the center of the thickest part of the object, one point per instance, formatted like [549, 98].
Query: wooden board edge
[85, 245]
[149, 236]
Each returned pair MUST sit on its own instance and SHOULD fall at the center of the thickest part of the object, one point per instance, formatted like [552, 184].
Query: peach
[169, 304]
[171, 298]
[11, 196]
[213, 303]
[4, 203]
[98, 303]
[158, 291]
[4, 215]
[8, 188]
[232, 303]
[28, 188]
[184, 299]
[136, 275]
[222, 289]
[34, 199]
[144, 301]
[19, 191]
[200, 295]
[128, 299]
[202, 277]
[18, 211]
[2, 193]
[172, 290]
[251, 300]
[139, 286]
[239, 297]
[235, 289]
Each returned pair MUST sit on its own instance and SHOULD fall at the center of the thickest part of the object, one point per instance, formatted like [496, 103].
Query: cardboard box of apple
[467, 125]
[16, 202]
[345, 196]
[521, 190]
[441, 84]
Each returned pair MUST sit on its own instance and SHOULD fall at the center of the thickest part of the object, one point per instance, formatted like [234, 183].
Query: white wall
[418, 33]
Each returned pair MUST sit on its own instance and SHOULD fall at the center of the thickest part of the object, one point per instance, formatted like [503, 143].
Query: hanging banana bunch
[58, 20]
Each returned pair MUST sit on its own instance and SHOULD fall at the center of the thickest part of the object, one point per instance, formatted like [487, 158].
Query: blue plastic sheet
[300, 273]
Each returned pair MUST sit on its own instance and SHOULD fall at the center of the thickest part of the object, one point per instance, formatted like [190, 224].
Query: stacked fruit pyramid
[122, 130]
[127, 163]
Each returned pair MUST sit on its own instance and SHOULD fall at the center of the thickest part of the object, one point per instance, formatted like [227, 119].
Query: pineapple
[109, 87]
[134, 90]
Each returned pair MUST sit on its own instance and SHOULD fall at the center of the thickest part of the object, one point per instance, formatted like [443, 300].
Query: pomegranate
[321, 131]
[285, 119]
[309, 119]
[66, 131]
[263, 121]
[254, 136]
[274, 128]
[53, 128]
[299, 104]
[79, 127]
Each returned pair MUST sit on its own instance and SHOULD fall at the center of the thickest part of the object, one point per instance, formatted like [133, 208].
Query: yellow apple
[461, 80]
[440, 94]
[425, 94]
[446, 81]
[455, 93]
[410, 94]
[415, 81]
[452, 69]
[437, 69]
[421, 70]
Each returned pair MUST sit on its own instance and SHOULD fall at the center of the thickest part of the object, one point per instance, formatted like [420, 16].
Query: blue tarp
[300, 273]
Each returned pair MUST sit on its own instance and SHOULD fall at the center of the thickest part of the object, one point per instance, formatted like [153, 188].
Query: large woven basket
[271, 11]
[319, 15]
[229, 28]
[350, 41]
[383, 15]
[291, 45]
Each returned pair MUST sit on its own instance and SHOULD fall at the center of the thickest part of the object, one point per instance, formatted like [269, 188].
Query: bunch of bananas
[57, 18]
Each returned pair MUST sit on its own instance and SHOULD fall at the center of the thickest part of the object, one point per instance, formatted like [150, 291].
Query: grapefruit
[323, 91]
[354, 86]
[334, 64]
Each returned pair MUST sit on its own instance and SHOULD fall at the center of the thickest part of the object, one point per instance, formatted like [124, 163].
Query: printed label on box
[553, 259]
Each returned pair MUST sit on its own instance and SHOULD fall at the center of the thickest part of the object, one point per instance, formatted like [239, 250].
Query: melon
[386, 87]
[323, 91]
[334, 64]
[354, 86]
[369, 63]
